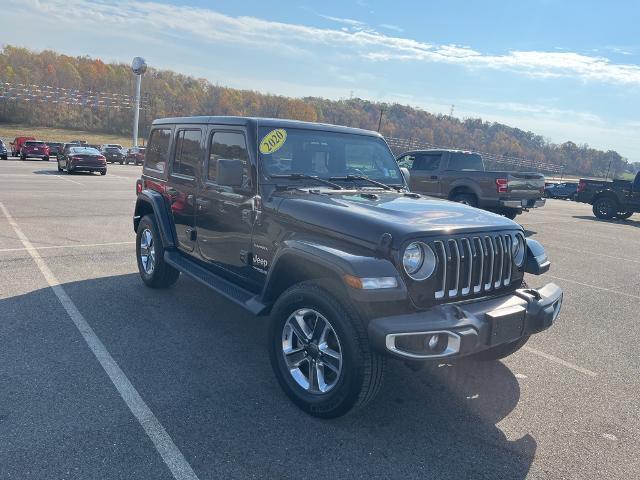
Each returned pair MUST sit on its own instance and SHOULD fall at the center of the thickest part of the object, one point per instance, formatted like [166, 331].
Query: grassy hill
[10, 131]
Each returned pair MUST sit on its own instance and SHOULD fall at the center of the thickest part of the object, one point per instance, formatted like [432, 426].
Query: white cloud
[160, 20]
[389, 26]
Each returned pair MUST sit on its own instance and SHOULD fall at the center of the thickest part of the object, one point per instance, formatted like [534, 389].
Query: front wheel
[103, 172]
[623, 215]
[320, 352]
[510, 213]
[604, 208]
[155, 272]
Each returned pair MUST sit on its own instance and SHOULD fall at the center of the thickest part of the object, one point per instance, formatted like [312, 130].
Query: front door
[181, 186]
[424, 174]
[225, 215]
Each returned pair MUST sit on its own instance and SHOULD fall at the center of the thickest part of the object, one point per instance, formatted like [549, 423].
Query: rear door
[225, 214]
[182, 185]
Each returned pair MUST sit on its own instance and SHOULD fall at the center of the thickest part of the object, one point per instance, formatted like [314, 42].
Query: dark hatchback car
[78, 158]
[313, 227]
[567, 190]
[4, 154]
[135, 155]
[113, 154]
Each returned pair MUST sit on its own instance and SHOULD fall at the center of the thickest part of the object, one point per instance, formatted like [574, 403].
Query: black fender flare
[310, 255]
[150, 201]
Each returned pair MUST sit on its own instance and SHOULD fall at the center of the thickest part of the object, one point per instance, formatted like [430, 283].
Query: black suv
[313, 225]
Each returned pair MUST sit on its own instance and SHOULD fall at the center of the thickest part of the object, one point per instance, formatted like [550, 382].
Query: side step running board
[236, 294]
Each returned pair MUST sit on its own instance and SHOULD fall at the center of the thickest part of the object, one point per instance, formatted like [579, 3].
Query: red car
[34, 149]
[135, 155]
[16, 145]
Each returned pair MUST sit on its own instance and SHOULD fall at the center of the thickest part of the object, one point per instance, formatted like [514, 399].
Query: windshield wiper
[351, 178]
[304, 176]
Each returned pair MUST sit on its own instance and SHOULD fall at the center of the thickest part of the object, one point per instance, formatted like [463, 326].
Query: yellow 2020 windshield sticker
[273, 140]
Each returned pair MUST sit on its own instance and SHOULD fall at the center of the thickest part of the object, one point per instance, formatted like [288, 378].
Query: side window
[187, 154]
[406, 161]
[158, 149]
[229, 146]
[428, 162]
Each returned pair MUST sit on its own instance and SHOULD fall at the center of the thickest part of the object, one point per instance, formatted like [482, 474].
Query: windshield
[326, 154]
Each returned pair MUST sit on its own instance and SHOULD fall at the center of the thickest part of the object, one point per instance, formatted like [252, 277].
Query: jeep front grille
[471, 265]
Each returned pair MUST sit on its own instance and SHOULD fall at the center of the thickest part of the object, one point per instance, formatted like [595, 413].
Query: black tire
[46, 159]
[103, 172]
[162, 275]
[59, 167]
[361, 370]
[4, 157]
[23, 157]
[623, 215]
[466, 198]
[69, 170]
[604, 208]
[121, 162]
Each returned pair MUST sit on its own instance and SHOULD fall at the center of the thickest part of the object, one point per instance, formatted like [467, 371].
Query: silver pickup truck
[461, 176]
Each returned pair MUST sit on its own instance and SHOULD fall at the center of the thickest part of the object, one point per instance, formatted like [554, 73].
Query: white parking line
[547, 244]
[83, 245]
[168, 450]
[559, 361]
[604, 289]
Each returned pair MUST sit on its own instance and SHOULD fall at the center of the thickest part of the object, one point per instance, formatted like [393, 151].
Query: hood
[367, 217]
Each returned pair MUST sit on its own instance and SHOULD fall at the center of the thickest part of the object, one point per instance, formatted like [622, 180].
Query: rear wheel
[466, 198]
[103, 172]
[604, 208]
[155, 272]
[320, 352]
[59, 167]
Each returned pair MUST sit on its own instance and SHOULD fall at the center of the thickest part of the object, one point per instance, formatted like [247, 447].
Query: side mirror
[537, 261]
[230, 172]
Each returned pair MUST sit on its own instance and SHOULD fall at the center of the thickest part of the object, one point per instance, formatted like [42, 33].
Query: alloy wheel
[312, 351]
[147, 251]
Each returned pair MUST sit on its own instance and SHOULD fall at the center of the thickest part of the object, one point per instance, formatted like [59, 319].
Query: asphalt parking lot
[564, 407]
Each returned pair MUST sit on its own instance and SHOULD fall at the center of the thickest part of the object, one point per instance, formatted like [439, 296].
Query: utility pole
[380, 119]
[139, 66]
[453, 107]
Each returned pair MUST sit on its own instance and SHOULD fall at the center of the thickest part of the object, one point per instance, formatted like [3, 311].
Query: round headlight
[518, 248]
[412, 258]
[419, 261]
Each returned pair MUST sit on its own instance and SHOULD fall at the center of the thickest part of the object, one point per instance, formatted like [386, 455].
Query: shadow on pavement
[630, 221]
[201, 365]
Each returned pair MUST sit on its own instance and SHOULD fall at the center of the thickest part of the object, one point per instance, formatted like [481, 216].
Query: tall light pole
[139, 66]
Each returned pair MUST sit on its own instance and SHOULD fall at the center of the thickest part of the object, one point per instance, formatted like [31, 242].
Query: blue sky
[567, 70]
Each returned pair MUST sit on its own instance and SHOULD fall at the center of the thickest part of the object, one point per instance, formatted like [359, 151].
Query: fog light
[432, 342]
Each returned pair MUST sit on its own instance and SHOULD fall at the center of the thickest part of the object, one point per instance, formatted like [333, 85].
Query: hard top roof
[263, 122]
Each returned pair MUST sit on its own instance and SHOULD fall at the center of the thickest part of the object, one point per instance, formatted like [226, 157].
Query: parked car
[611, 198]
[135, 155]
[65, 148]
[78, 158]
[3, 151]
[34, 149]
[16, 145]
[113, 154]
[461, 176]
[54, 148]
[567, 190]
[314, 226]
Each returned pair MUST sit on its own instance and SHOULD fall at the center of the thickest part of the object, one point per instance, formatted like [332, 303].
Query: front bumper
[530, 203]
[465, 328]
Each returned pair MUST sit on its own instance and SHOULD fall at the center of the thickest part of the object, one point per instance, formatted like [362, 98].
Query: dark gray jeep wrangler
[313, 228]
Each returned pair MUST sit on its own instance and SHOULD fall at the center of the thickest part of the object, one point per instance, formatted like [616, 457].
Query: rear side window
[229, 146]
[158, 149]
[428, 162]
[465, 161]
[187, 152]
